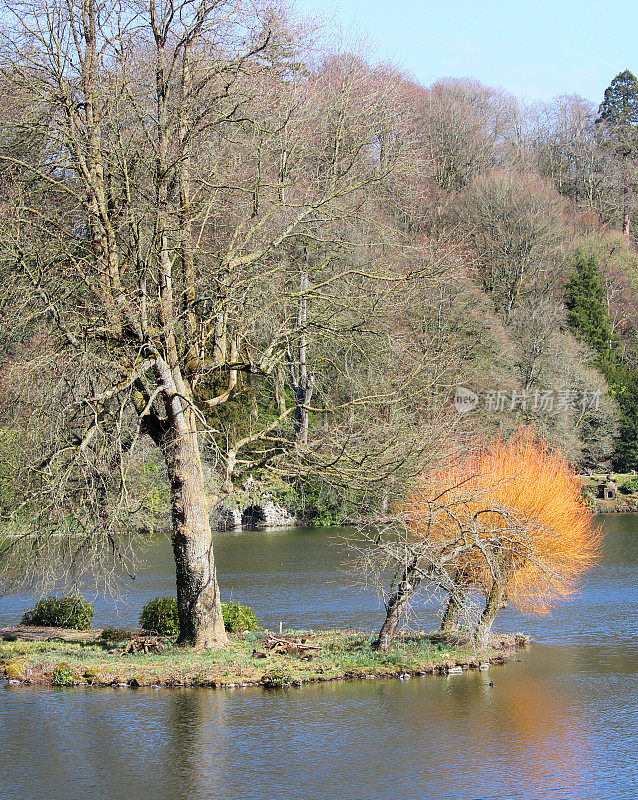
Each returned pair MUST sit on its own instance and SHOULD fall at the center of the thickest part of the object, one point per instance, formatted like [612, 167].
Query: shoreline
[258, 659]
[615, 507]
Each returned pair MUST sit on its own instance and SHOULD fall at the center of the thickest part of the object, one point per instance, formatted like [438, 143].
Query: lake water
[559, 724]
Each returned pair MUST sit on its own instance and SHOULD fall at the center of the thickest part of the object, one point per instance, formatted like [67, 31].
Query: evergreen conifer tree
[588, 314]
[619, 114]
[620, 104]
[625, 456]
[588, 317]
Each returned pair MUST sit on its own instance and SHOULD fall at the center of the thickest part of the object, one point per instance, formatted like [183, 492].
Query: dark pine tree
[625, 457]
[619, 114]
[587, 310]
[588, 317]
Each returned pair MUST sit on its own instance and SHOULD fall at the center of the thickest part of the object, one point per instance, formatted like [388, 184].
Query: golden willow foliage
[514, 514]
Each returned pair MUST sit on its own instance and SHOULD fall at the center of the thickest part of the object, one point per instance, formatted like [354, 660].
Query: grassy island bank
[253, 659]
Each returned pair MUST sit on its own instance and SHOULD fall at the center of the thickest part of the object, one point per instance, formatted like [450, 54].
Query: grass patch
[342, 655]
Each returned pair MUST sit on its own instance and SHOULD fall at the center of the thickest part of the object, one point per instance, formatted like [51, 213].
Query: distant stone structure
[225, 518]
[609, 492]
[250, 509]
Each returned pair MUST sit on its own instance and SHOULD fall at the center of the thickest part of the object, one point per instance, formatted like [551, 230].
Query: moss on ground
[343, 655]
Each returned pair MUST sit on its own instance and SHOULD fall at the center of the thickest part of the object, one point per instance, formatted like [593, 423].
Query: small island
[64, 657]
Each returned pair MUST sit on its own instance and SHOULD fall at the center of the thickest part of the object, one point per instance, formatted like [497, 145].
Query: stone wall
[266, 514]
[251, 508]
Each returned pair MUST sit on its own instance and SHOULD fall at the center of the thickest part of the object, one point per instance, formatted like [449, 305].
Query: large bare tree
[191, 200]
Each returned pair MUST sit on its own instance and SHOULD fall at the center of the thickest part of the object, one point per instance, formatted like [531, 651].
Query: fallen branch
[287, 645]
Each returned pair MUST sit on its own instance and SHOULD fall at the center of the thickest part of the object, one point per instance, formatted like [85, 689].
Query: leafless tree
[485, 526]
[402, 565]
[513, 223]
[193, 200]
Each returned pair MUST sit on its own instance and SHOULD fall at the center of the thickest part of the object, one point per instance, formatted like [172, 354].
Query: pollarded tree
[508, 523]
[535, 534]
[172, 167]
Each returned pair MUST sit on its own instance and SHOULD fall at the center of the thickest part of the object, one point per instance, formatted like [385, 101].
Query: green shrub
[160, 615]
[630, 487]
[63, 675]
[114, 634]
[71, 611]
[238, 618]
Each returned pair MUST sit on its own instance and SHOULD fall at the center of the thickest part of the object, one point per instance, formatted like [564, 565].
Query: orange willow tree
[508, 523]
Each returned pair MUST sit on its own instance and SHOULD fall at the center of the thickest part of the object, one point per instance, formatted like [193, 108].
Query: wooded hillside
[220, 243]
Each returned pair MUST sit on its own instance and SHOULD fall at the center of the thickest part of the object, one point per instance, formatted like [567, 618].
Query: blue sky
[536, 50]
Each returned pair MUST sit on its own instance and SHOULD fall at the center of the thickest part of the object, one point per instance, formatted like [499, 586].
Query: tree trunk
[493, 604]
[450, 621]
[396, 607]
[303, 382]
[198, 604]
[626, 223]
[626, 219]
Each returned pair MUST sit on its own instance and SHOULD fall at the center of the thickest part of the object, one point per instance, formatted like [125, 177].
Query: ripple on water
[560, 724]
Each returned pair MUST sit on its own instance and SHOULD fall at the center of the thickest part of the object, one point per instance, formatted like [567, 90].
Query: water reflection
[559, 724]
[269, 570]
[530, 735]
